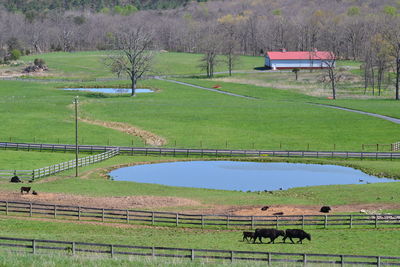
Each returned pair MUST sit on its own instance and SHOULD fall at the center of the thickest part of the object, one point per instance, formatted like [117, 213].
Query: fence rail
[186, 152]
[396, 146]
[56, 168]
[40, 246]
[128, 216]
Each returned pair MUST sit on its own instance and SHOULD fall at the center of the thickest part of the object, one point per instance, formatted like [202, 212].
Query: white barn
[277, 60]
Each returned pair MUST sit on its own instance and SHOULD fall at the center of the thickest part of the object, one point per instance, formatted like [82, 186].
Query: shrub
[39, 62]
[15, 54]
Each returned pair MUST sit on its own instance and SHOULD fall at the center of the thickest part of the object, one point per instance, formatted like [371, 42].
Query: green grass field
[322, 241]
[89, 65]
[280, 118]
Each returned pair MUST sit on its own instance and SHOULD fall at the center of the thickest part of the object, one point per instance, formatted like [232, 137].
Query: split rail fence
[186, 152]
[56, 168]
[64, 212]
[40, 246]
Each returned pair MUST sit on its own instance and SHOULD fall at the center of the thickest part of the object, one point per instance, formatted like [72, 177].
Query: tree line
[368, 31]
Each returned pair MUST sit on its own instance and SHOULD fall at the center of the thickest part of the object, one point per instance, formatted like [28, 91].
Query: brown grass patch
[127, 202]
[146, 136]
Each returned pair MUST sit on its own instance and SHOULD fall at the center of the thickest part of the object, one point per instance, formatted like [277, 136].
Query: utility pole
[76, 136]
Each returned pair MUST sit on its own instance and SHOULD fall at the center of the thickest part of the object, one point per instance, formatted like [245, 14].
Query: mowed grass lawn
[332, 241]
[21, 160]
[277, 120]
[89, 65]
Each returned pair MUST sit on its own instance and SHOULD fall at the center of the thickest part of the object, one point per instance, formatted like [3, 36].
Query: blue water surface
[236, 175]
[110, 90]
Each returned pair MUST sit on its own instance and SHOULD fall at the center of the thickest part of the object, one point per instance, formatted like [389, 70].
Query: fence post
[102, 215]
[378, 261]
[326, 221]
[177, 219]
[269, 258]
[55, 211]
[351, 221]
[79, 213]
[192, 255]
[376, 221]
[152, 218]
[153, 251]
[33, 246]
[112, 251]
[127, 216]
[6, 207]
[277, 223]
[73, 248]
[342, 260]
[227, 221]
[231, 255]
[304, 259]
[30, 209]
[202, 221]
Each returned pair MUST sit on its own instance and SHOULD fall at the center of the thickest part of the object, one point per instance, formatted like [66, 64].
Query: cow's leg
[284, 239]
[300, 241]
[254, 239]
[291, 240]
[260, 238]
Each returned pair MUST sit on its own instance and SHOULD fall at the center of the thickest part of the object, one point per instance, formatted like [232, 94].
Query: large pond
[236, 175]
[110, 90]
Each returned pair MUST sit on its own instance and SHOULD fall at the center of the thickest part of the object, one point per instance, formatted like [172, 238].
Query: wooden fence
[186, 152]
[40, 246]
[65, 212]
[396, 146]
[56, 168]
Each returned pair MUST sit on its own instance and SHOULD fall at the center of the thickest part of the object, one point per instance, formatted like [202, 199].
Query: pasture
[282, 117]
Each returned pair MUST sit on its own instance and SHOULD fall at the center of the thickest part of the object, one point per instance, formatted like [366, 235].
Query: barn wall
[295, 63]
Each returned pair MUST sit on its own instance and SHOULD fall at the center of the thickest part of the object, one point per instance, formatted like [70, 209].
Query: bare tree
[229, 46]
[392, 35]
[133, 54]
[210, 46]
[332, 76]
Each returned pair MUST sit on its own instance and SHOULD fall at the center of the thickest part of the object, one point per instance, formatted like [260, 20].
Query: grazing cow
[272, 234]
[25, 189]
[265, 208]
[247, 235]
[296, 233]
[15, 179]
[325, 209]
[34, 193]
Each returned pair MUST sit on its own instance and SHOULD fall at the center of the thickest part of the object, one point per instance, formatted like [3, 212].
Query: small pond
[236, 175]
[110, 90]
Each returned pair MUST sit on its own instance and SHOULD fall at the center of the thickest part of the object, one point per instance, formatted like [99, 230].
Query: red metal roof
[324, 55]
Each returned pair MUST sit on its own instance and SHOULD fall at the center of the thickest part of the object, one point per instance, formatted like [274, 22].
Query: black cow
[25, 189]
[15, 179]
[325, 209]
[247, 235]
[272, 234]
[296, 233]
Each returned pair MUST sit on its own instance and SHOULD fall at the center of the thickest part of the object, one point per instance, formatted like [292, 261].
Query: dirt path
[205, 88]
[148, 137]
[187, 205]
[395, 120]
[127, 202]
